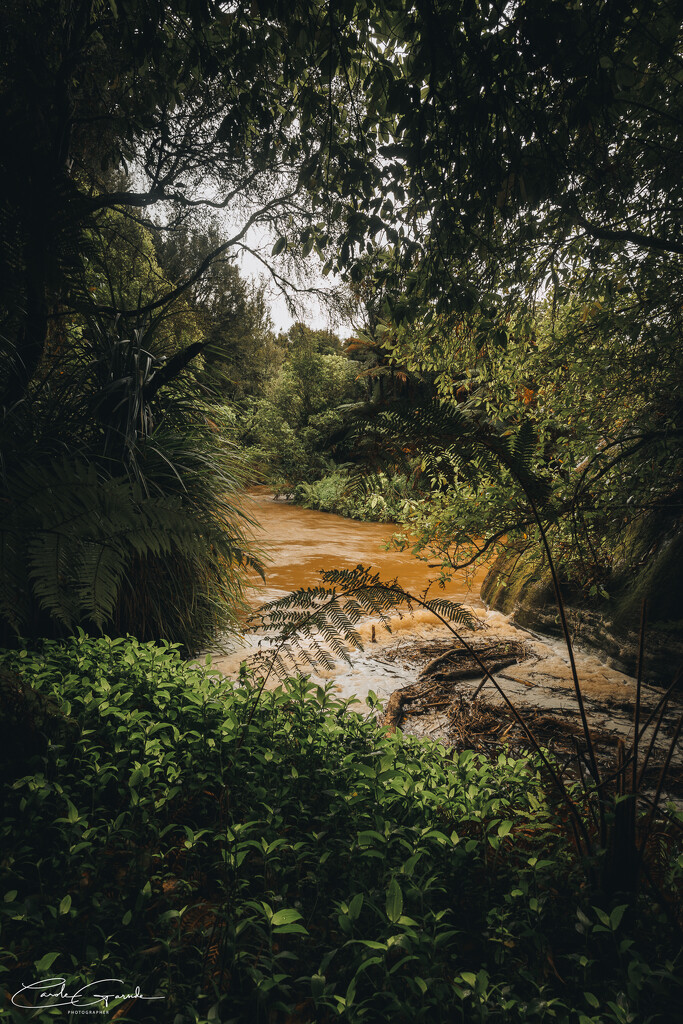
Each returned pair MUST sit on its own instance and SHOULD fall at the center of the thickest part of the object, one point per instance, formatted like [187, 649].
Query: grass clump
[305, 866]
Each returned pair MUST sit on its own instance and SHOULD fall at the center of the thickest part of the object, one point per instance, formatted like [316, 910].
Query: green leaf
[285, 917]
[355, 906]
[504, 828]
[65, 904]
[290, 929]
[409, 866]
[365, 838]
[45, 962]
[394, 901]
[602, 916]
[434, 833]
[591, 1000]
[279, 246]
[616, 916]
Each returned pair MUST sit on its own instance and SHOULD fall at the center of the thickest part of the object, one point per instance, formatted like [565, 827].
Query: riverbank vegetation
[290, 859]
[512, 284]
[589, 403]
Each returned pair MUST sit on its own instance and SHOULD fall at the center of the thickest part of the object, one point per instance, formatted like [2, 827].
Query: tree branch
[624, 235]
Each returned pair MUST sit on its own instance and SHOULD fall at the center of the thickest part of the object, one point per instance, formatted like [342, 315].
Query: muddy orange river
[297, 543]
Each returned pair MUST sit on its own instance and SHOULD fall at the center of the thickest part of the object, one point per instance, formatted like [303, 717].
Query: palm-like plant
[119, 498]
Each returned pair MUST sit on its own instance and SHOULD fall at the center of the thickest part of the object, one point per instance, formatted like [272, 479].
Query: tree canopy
[535, 139]
[492, 144]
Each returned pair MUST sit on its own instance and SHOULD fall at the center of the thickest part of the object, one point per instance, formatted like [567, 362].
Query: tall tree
[146, 106]
[240, 351]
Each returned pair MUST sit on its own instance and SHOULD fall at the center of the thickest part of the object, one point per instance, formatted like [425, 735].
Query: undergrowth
[382, 499]
[303, 867]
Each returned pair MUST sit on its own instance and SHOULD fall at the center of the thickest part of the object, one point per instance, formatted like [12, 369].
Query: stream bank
[519, 585]
[301, 542]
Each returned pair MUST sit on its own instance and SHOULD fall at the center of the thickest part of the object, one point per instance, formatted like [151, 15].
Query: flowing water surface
[297, 543]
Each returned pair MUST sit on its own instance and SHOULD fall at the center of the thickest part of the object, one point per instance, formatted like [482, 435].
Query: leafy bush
[303, 861]
[382, 499]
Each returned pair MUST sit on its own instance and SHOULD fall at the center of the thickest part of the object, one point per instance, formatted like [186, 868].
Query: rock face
[519, 584]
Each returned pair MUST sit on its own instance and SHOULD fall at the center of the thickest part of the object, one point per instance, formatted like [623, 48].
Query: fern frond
[327, 616]
[99, 573]
[452, 443]
[74, 535]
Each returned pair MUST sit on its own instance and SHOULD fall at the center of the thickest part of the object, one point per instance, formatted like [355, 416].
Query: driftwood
[513, 650]
[393, 711]
[437, 679]
[426, 688]
[470, 671]
[455, 653]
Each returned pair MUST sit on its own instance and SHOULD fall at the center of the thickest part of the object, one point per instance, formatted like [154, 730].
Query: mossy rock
[518, 577]
[660, 582]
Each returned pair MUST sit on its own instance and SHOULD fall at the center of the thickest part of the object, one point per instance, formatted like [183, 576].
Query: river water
[297, 543]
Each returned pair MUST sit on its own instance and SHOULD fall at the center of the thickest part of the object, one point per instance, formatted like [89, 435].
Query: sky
[314, 313]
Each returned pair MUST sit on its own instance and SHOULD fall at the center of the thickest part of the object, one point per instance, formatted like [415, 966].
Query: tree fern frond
[452, 443]
[74, 533]
[99, 574]
[327, 617]
[49, 559]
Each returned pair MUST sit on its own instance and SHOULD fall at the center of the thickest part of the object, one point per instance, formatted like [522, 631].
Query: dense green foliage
[380, 499]
[108, 334]
[304, 860]
[293, 426]
[527, 142]
[598, 402]
[119, 489]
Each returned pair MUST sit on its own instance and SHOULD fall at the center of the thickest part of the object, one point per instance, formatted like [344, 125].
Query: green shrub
[305, 860]
[382, 500]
